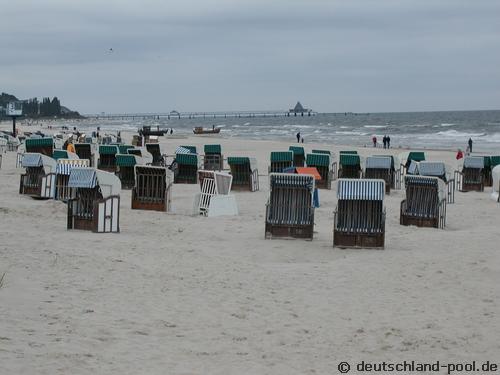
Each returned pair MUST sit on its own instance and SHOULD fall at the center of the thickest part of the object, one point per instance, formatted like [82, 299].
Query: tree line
[33, 108]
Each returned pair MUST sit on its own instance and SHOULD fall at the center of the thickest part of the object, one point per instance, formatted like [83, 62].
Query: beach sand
[179, 294]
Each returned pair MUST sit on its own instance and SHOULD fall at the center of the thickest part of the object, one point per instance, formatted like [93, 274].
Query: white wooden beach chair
[37, 181]
[215, 198]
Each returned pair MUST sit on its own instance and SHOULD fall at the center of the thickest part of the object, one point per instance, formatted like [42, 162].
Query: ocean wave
[457, 134]
[446, 124]
[350, 133]
[375, 126]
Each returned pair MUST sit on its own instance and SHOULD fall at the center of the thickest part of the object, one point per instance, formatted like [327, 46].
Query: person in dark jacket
[470, 144]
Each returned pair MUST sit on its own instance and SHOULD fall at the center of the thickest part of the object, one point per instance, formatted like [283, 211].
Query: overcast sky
[204, 55]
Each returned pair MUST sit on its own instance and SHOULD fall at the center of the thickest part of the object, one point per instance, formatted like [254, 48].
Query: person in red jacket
[460, 154]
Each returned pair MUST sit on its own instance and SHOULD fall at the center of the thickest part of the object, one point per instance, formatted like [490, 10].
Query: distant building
[299, 109]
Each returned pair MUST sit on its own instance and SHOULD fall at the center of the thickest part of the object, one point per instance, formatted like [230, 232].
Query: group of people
[299, 138]
[386, 141]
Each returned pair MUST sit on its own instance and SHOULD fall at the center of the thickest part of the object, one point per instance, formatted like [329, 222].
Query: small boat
[147, 131]
[200, 130]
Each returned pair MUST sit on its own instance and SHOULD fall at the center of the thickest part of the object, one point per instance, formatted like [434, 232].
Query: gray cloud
[202, 55]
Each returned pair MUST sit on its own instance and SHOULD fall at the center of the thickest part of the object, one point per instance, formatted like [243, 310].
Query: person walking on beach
[388, 142]
[302, 139]
[460, 154]
[470, 145]
[298, 137]
[384, 141]
[374, 140]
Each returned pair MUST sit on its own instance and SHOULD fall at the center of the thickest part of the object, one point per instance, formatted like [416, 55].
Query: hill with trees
[33, 108]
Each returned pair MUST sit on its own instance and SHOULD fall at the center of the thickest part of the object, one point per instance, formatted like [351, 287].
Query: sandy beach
[180, 294]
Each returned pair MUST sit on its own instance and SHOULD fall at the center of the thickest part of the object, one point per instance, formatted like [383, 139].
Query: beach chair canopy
[243, 160]
[147, 157]
[431, 168]
[127, 160]
[64, 166]
[281, 156]
[35, 141]
[191, 150]
[88, 178]
[187, 159]
[474, 162]
[321, 152]
[288, 180]
[123, 148]
[349, 160]
[348, 152]
[212, 149]
[416, 156]
[297, 150]
[318, 160]
[33, 159]
[379, 162]
[108, 150]
[428, 181]
[364, 189]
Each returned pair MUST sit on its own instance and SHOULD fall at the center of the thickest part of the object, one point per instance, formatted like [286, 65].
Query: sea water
[432, 130]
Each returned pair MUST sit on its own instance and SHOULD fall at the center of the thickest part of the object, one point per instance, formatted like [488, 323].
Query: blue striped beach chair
[61, 177]
[96, 202]
[359, 220]
[425, 202]
[290, 208]
[381, 167]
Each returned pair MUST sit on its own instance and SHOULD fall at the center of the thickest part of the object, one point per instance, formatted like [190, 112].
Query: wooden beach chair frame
[152, 189]
[290, 208]
[380, 167]
[37, 181]
[187, 169]
[245, 173]
[61, 177]
[359, 219]
[213, 160]
[107, 158]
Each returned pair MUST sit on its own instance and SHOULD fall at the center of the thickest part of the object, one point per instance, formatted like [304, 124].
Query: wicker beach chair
[37, 181]
[61, 177]
[187, 165]
[471, 176]
[107, 158]
[440, 170]
[154, 149]
[290, 209]
[213, 159]
[359, 220]
[125, 169]
[152, 188]
[245, 173]
[349, 165]
[323, 163]
[96, 205]
[425, 203]
[280, 160]
[380, 167]
[299, 156]
[44, 146]
[85, 151]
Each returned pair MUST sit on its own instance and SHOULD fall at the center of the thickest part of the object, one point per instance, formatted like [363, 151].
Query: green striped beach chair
[245, 173]
[280, 160]
[213, 159]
